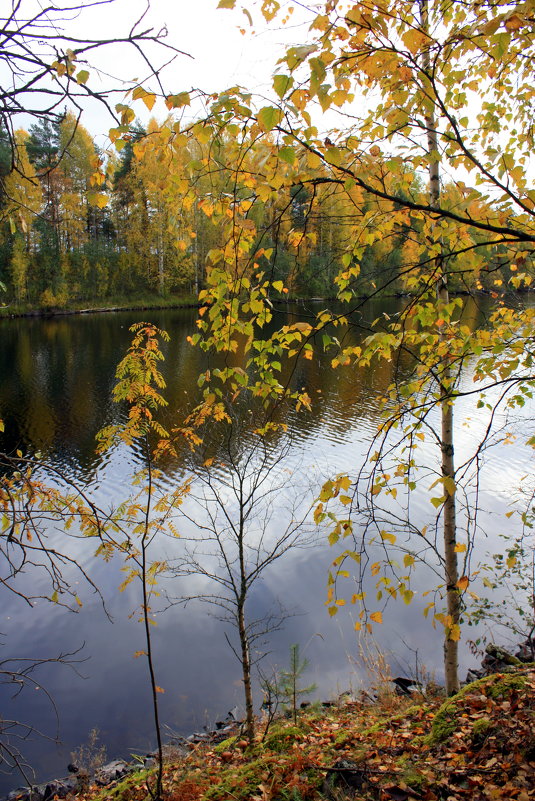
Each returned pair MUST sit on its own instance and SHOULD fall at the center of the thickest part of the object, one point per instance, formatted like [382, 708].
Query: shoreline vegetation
[118, 304]
[379, 745]
[159, 303]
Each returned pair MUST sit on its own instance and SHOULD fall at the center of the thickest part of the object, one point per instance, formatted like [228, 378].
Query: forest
[80, 226]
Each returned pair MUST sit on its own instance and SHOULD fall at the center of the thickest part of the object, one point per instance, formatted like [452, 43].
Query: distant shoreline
[189, 303]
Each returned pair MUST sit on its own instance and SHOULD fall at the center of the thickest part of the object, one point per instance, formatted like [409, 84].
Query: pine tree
[289, 681]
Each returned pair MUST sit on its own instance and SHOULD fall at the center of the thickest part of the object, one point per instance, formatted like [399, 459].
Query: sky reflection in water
[55, 394]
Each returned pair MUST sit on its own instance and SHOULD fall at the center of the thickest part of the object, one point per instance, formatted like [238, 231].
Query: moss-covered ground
[478, 745]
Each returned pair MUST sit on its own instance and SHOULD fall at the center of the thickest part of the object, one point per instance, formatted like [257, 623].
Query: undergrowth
[477, 745]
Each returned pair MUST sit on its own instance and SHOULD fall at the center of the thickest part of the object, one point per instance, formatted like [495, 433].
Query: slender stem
[156, 794]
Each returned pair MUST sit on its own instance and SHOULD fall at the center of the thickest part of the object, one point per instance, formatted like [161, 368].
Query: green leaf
[268, 117]
[288, 155]
[282, 83]
[333, 537]
[82, 76]
[178, 101]
[438, 501]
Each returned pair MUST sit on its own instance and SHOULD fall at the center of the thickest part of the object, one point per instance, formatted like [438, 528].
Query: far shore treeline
[81, 226]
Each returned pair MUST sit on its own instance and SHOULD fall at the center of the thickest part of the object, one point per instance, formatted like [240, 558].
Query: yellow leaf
[460, 547]
[463, 583]
[391, 538]
[414, 40]
[159, 689]
[449, 485]
[377, 617]
[149, 98]
[358, 626]
[454, 633]
[97, 199]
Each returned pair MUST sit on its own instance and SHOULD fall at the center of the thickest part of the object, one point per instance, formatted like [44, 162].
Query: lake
[55, 394]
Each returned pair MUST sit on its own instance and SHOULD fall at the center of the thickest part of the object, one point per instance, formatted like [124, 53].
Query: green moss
[123, 787]
[238, 782]
[510, 681]
[481, 728]
[224, 745]
[413, 778]
[280, 739]
[343, 738]
[497, 686]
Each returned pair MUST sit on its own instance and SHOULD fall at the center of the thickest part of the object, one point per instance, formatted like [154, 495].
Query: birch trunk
[453, 600]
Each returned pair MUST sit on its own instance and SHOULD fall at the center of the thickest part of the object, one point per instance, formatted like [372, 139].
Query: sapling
[288, 681]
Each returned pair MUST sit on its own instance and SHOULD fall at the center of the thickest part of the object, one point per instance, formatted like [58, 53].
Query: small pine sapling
[288, 683]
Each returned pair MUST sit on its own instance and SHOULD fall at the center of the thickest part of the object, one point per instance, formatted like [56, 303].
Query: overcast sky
[219, 55]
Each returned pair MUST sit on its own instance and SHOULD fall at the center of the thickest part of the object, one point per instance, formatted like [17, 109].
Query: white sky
[221, 55]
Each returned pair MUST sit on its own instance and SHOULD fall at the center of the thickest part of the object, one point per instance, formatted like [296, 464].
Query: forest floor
[478, 745]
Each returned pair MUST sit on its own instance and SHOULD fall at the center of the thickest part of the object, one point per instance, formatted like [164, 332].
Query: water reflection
[55, 394]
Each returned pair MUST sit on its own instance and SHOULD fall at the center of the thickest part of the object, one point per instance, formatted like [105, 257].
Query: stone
[346, 778]
[111, 772]
[59, 788]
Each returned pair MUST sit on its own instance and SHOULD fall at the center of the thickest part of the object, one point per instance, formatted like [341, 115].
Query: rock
[345, 778]
[59, 788]
[111, 772]
[406, 686]
[526, 650]
[500, 654]
[198, 737]
[20, 794]
[473, 675]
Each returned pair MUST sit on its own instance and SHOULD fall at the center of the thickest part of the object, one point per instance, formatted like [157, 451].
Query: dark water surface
[55, 394]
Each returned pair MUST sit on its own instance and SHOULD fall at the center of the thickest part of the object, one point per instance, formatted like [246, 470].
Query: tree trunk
[246, 674]
[453, 601]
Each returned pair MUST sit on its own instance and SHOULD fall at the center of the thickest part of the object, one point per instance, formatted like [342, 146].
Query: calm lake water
[55, 394]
